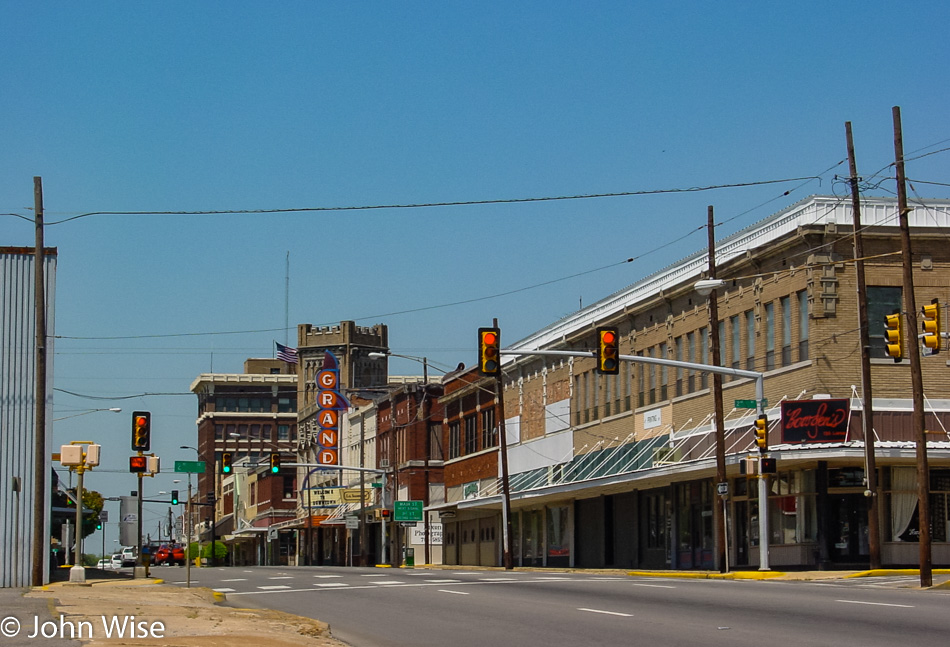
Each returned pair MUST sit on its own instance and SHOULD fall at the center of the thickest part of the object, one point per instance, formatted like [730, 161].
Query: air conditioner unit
[384, 463]
[667, 455]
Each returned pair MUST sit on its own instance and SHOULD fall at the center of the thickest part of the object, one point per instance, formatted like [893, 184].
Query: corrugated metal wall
[17, 410]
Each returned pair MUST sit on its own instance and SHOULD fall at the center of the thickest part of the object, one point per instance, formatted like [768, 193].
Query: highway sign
[407, 511]
[190, 467]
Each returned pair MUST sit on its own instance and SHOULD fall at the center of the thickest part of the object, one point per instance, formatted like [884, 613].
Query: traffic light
[762, 432]
[894, 335]
[274, 463]
[226, 463]
[138, 464]
[608, 355]
[385, 514]
[932, 326]
[98, 525]
[174, 497]
[489, 346]
[141, 431]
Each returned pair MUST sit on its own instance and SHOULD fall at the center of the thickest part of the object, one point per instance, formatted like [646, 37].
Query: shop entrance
[848, 526]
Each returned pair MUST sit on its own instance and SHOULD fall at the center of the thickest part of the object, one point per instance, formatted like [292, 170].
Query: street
[369, 607]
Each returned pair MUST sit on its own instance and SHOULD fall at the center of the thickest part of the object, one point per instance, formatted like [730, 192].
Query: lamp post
[428, 446]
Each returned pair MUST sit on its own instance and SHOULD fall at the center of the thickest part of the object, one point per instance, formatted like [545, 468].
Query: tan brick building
[619, 470]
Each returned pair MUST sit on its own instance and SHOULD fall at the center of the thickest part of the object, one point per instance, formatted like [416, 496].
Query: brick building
[620, 470]
[249, 415]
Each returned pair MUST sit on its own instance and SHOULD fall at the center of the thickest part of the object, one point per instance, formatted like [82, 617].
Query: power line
[420, 205]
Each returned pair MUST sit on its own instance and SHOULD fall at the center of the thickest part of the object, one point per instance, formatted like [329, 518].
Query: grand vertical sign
[330, 403]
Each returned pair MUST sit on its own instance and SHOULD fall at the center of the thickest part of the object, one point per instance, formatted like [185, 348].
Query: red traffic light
[608, 361]
[489, 351]
[141, 430]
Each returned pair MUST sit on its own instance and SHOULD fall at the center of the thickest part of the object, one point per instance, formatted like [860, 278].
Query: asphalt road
[369, 607]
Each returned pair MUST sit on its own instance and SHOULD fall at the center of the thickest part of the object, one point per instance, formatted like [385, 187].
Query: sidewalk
[146, 612]
[20, 614]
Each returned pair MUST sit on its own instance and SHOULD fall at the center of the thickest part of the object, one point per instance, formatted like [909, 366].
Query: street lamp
[74, 415]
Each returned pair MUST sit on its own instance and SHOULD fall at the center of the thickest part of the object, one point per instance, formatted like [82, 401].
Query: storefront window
[940, 504]
[558, 537]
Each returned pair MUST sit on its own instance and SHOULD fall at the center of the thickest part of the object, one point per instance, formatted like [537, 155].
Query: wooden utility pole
[916, 374]
[507, 539]
[40, 499]
[867, 408]
[719, 516]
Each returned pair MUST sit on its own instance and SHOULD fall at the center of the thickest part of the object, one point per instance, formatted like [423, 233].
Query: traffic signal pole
[759, 378]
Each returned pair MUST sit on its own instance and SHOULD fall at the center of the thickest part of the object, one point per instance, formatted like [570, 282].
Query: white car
[104, 563]
[129, 556]
[116, 560]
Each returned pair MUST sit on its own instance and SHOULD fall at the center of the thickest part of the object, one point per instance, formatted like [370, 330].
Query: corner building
[619, 471]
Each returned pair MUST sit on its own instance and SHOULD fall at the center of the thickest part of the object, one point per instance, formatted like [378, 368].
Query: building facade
[620, 470]
[249, 416]
[18, 410]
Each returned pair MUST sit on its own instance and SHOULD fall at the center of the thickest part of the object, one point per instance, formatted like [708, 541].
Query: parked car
[104, 563]
[129, 556]
[169, 555]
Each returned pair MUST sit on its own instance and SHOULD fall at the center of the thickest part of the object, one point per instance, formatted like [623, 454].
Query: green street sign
[750, 404]
[407, 511]
[190, 467]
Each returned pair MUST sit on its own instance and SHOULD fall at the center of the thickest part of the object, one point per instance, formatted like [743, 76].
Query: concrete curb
[707, 575]
[887, 572]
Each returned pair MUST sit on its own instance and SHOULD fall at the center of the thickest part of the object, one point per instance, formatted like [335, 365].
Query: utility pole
[719, 514]
[40, 499]
[867, 407]
[916, 374]
[505, 482]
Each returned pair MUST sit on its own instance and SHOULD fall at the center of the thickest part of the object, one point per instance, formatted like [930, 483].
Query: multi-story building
[619, 470]
[321, 533]
[250, 416]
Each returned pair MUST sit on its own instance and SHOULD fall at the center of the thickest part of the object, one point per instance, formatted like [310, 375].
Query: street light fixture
[74, 415]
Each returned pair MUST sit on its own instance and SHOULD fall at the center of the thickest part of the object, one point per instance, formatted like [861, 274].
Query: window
[664, 372]
[219, 432]
[283, 432]
[435, 442]
[882, 301]
[750, 340]
[803, 325]
[471, 435]
[652, 369]
[628, 378]
[769, 336]
[489, 431]
[786, 304]
[704, 354]
[454, 439]
[678, 349]
[577, 400]
[939, 503]
[736, 330]
[691, 355]
[286, 405]
[641, 383]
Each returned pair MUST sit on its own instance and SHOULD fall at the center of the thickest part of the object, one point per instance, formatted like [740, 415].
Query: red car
[169, 556]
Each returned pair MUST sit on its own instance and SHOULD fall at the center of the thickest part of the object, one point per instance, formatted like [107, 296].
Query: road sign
[722, 489]
[408, 524]
[190, 467]
[352, 523]
[407, 511]
[352, 495]
[750, 404]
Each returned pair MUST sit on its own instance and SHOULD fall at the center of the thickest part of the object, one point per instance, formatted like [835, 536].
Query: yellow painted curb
[384, 566]
[219, 597]
[706, 575]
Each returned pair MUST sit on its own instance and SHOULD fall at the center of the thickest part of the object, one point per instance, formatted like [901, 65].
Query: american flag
[286, 353]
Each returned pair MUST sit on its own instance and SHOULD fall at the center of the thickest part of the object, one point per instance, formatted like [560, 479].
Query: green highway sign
[749, 404]
[190, 467]
[407, 511]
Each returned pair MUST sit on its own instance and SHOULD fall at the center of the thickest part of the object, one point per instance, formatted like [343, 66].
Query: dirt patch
[191, 618]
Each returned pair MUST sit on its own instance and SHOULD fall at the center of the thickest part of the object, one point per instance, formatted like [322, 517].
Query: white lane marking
[364, 575]
[273, 588]
[552, 579]
[327, 576]
[388, 582]
[497, 579]
[657, 586]
[609, 613]
[466, 573]
[455, 592]
[236, 579]
[223, 590]
[328, 584]
[443, 581]
[282, 577]
[877, 604]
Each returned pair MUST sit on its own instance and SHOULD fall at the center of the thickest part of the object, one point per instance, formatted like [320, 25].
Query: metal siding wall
[17, 412]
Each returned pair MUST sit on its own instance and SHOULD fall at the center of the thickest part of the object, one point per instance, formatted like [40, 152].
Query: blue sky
[214, 106]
